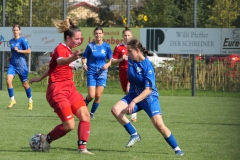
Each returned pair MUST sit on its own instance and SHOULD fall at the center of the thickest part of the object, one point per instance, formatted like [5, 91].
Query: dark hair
[16, 25]
[66, 26]
[126, 29]
[136, 44]
[97, 28]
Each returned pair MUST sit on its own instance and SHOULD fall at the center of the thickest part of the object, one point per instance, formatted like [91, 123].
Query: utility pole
[128, 12]
[194, 55]
[30, 25]
[3, 53]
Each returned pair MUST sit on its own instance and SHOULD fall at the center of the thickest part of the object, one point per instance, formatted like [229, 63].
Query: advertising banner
[182, 40]
[45, 39]
[230, 41]
[40, 39]
[113, 36]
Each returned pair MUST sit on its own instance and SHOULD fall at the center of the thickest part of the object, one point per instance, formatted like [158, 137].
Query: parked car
[159, 61]
[198, 56]
[230, 59]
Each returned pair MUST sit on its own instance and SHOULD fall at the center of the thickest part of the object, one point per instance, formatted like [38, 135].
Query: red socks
[56, 133]
[83, 134]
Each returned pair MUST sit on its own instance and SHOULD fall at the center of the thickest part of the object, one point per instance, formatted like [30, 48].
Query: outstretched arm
[67, 60]
[38, 79]
[116, 61]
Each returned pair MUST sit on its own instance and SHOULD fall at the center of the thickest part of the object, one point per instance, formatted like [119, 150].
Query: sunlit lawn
[205, 127]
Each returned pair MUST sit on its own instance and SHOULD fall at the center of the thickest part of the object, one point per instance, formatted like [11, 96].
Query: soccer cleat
[91, 116]
[134, 117]
[45, 145]
[179, 153]
[30, 105]
[133, 140]
[84, 151]
[11, 103]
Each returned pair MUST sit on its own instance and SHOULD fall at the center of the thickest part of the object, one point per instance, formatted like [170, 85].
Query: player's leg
[9, 78]
[83, 128]
[60, 130]
[24, 79]
[91, 84]
[100, 84]
[95, 105]
[58, 98]
[80, 110]
[154, 112]
[166, 133]
[91, 94]
[29, 94]
[119, 110]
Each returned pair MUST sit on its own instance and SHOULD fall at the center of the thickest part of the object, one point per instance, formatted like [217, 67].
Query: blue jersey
[96, 56]
[141, 75]
[18, 60]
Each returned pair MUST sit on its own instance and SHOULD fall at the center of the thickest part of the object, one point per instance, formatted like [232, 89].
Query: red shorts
[123, 78]
[64, 98]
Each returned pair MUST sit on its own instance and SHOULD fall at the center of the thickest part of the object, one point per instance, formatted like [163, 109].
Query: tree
[160, 13]
[15, 13]
[224, 13]
[18, 11]
[46, 10]
[110, 13]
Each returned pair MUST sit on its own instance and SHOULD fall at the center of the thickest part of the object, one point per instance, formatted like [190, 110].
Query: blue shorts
[22, 73]
[150, 104]
[97, 79]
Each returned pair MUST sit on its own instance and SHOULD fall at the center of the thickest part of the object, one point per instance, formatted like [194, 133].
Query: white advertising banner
[230, 41]
[40, 39]
[182, 40]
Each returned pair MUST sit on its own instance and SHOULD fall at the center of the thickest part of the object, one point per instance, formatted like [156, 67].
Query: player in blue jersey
[18, 65]
[143, 95]
[95, 64]
[120, 57]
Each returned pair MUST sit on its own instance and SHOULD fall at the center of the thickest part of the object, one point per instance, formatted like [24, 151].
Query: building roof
[85, 4]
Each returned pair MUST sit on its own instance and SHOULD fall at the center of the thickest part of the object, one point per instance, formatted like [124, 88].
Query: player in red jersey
[120, 57]
[62, 94]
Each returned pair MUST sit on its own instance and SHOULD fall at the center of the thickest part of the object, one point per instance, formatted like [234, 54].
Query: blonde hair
[62, 25]
[66, 26]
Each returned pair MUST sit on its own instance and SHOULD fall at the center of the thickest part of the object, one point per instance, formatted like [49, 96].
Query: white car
[160, 61]
[78, 64]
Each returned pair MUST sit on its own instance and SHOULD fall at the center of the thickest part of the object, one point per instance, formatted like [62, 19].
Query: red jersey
[119, 51]
[60, 73]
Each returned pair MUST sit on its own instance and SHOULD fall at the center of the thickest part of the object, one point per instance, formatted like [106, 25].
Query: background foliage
[111, 13]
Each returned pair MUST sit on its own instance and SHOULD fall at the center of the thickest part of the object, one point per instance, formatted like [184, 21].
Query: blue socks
[94, 107]
[10, 92]
[28, 92]
[130, 128]
[172, 141]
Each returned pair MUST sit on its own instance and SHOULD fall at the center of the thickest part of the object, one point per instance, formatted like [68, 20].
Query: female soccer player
[62, 94]
[120, 56]
[96, 68]
[18, 65]
[143, 94]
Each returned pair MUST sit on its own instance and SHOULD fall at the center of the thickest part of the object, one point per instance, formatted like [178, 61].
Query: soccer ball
[35, 143]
